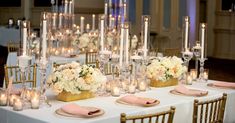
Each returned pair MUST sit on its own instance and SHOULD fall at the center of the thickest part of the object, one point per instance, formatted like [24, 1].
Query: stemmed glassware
[197, 53]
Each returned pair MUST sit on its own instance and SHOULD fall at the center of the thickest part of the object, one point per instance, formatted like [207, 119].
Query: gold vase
[157, 83]
[67, 96]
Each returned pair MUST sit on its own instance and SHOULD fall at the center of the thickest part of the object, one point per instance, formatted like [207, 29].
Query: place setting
[77, 111]
[138, 101]
[185, 91]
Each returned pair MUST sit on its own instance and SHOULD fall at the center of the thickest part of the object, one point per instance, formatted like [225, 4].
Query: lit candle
[24, 38]
[110, 21]
[115, 91]
[54, 20]
[121, 46]
[3, 99]
[82, 24]
[44, 37]
[28, 94]
[70, 7]
[127, 44]
[203, 26]
[93, 22]
[57, 52]
[186, 32]
[193, 74]
[60, 20]
[87, 27]
[146, 22]
[124, 85]
[142, 86]
[205, 74]
[131, 88]
[189, 80]
[35, 102]
[102, 34]
[106, 9]
[108, 86]
[17, 105]
[65, 6]
[124, 11]
[11, 99]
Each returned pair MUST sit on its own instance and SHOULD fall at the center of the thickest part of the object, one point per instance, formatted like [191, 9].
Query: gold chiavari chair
[150, 117]
[172, 52]
[211, 111]
[14, 71]
[12, 46]
[91, 59]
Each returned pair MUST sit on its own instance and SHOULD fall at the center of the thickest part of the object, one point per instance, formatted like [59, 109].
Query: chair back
[211, 111]
[13, 47]
[162, 117]
[14, 71]
[172, 52]
[91, 59]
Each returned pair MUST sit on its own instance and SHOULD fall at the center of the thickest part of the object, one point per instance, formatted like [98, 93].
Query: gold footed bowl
[170, 82]
[67, 96]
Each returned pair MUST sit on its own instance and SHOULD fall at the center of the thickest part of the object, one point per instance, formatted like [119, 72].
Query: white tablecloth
[12, 61]
[9, 34]
[183, 104]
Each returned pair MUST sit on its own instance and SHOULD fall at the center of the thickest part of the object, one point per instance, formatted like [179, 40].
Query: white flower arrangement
[86, 40]
[165, 68]
[74, 78]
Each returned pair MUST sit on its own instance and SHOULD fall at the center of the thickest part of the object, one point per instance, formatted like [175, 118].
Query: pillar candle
[54, 20]
[124, 11]
[82, 24]
[93, 22]
[106, 9]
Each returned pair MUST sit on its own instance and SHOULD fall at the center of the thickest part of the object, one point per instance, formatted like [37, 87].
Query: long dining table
[112, 109]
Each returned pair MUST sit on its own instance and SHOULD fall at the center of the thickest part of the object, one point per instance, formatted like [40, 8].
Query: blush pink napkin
[183, 90]
[132, 99]
[75, 109]
[224, 84]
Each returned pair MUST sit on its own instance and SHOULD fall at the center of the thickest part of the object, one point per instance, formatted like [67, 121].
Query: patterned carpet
[219, 69]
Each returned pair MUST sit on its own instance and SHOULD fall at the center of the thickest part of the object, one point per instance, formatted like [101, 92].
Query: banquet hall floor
[219, 69]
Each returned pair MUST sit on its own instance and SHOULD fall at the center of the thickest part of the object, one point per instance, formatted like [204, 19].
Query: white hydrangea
[165, 68]
[74, 78]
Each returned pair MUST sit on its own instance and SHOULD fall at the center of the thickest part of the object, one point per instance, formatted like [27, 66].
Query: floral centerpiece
[86, 41]
[165, 71]
[77, 80]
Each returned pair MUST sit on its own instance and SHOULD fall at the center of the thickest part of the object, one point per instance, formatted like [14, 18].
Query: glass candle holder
[3, 98]
[115, 91]
[131, 88]
[35, 102]
[17, 105]
[12, 98]
[193, 74]
[189, 79]
[205, 74]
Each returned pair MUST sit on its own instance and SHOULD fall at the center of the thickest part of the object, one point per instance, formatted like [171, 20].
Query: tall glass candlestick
[127, 43]
[121, 45]
[186, 32]
[146, 21]
[203, 51]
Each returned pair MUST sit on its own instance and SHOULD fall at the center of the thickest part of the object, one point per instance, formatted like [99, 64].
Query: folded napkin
[132, 99]
[190, 92]
[223, 84]
[75, 109]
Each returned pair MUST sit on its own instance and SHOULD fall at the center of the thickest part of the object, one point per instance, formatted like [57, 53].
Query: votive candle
[17, 105]
[3, 99]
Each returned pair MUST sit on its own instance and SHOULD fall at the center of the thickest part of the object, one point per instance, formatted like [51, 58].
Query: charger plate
[144, 105]
[178, 93]
[62, 113]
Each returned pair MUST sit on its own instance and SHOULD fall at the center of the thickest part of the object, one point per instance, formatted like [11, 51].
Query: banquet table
[12, 56]
[183, 104]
